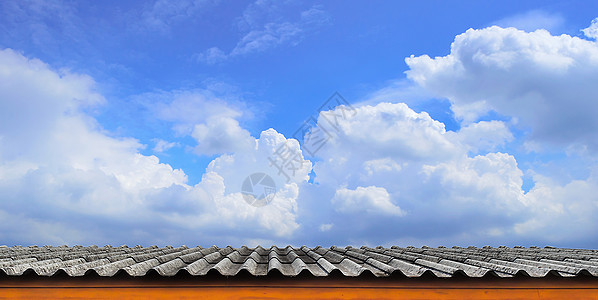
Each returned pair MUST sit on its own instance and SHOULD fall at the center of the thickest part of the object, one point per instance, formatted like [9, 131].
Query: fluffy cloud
[544, 82]
[484, 135]
[63, 178]
[220, 135]
[574, 204]
[205, 115]
[387, 174]
[392, 168]
[371, 200]
[444, 186]
[216, 204]
[592, 31]
[279, 216]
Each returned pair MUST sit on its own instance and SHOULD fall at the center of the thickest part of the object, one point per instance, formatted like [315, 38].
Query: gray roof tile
[289, 261]
[141, 268]
[171, 267]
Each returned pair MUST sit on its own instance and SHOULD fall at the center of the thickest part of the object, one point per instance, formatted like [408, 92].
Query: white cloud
[160, 15]
[544, 82]
[388, 174]
[562, 213]
[326, 227]
[408, 172]
[205, 115]
[30, 18]
[188, 108]
[371, 200]
[260, 11]
[258, 159]
[592, 30]
[268, 34]
[396, 168]
[484, 135]
[490, 182]
[46, 137]
[406, 133]
[221, 135]
[274, 34]
[212, 56]
[533, 20]
[224, 178]
[381, 165]
[398, 91]
[65, 179]
[162, 145]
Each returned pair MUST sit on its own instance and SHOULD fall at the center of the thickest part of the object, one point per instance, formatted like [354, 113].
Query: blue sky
[468, 122]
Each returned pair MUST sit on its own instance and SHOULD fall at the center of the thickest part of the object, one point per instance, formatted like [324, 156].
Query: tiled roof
[289, 261]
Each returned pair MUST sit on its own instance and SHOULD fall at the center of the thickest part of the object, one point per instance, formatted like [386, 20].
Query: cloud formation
[544, 82]
[212, 120]
[58, 167]
[388, 174]
[369, 200]
[392, 167]
[263, 33]
[592, 31]
[160, 15]
[532, 20]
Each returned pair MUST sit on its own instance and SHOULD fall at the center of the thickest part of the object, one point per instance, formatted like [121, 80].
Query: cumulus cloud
[544, 82]
[411, 180]
[280, 215]
[393, 168]
[371, 200]
[574, 204]
[264, 156]
[592, 31]
[205, 115]
[220, 135]
[65, 179]
[216, 203]
[484, 136]
[388, 173]
[58, 159]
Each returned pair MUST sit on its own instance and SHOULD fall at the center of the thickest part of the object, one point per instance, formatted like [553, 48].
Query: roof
[289, 261]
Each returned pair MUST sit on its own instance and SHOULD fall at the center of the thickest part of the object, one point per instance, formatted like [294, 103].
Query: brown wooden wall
[297, 288]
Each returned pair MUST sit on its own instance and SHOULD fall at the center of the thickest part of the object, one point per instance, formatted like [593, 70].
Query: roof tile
[289, 261]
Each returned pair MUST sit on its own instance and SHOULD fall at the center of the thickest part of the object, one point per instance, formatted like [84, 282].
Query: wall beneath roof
[302, 287]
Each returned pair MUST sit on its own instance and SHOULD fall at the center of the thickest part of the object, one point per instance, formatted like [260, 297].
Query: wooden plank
[307, 282]
[294, 293]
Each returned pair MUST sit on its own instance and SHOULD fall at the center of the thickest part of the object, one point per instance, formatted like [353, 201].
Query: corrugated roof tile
[79, 270]
[171, 267]
[289, 261]
[113, 267]
[141, 268]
